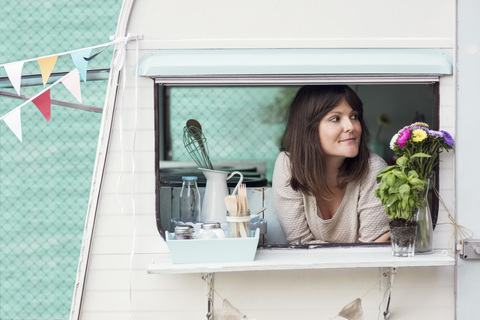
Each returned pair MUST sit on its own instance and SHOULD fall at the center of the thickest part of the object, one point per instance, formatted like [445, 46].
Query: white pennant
[13, 121]
[14, 73]
[72, 82]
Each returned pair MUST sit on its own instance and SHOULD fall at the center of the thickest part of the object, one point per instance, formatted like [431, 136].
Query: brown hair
[301, 142]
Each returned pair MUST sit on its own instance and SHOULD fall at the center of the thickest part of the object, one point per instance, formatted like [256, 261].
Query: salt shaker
[184, 232]
[211, 231]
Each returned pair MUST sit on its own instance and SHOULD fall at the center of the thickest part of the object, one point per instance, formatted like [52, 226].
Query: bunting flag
[14, 73]
[72, 82]
[46, 67]
[47, 63]
[80, 62]
[13, 121]
[43, 103]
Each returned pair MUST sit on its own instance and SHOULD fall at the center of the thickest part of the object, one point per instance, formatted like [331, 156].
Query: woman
[324, 178]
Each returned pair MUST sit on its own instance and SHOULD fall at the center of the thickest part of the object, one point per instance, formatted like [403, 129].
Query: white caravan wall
[297, 24]
[468, 177]
[418, 293]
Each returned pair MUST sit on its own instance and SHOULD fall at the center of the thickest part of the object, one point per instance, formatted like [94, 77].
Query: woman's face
[340, 131]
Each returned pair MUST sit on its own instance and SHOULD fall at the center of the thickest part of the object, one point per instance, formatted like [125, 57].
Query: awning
[302, 65]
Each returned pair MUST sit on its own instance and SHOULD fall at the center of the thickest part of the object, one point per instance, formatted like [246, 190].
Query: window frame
[162, 115]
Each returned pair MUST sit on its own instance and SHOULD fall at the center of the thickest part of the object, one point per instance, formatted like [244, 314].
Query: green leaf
[391, 200]
[386, 169]
[411, 202]
[416, 182]
[402, 161]
[413, 174]
[400, 174]
[404, 189]
[421, 155]
[390, 179]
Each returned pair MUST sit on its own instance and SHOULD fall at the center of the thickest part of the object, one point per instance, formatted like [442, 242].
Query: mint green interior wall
[246, 123]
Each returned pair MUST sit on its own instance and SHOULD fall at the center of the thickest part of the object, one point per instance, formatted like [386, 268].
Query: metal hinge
[470, 249]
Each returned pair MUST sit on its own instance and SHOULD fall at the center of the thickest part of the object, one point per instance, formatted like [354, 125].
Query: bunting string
[38, 94]
[55, 102]
[71, 80]
[120, 40]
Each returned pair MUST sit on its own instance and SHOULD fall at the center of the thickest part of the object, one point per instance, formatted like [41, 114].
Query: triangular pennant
[353, 310]
[72, 82]
[14, 122]
[14, 73]
[78, 58]
[46, 67]
[43, 104]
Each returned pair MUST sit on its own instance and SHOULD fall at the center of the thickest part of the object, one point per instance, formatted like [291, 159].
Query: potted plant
[399, 191]
[422, 146]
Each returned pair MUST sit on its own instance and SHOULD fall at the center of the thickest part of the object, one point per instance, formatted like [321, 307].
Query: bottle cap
[184, 229]
[189, 178]
[211, 225]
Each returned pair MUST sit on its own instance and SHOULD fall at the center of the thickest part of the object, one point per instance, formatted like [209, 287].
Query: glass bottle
[189, 200]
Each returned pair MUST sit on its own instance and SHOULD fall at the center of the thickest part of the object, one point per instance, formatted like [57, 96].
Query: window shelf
[300, 259]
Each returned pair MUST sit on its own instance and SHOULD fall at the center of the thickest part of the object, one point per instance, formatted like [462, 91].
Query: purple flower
[416, 139]
[436, 133]
[404, 136]
[447, 138]
[418, 127]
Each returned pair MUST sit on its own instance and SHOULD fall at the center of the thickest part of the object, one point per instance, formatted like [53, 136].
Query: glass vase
[424, 234]
[403, 238]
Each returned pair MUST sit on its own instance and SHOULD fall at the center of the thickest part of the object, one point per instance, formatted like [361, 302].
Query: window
[244, 124]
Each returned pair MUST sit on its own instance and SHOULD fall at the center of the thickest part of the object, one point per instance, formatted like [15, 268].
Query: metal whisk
[196, 144]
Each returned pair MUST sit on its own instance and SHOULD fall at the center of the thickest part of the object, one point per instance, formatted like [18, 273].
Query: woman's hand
[383, 238]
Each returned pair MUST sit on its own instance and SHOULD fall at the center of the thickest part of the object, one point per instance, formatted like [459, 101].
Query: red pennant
[43, 104]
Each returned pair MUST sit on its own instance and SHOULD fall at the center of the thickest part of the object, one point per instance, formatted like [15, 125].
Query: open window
[240, 96]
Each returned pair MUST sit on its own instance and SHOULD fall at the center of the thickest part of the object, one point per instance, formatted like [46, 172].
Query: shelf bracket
[388, 274]
[210, 292]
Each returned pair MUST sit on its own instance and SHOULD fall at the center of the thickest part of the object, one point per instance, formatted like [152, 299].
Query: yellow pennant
[46, 67]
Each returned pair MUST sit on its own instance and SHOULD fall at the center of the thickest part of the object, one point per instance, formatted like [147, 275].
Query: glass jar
[239, 225]
[185, 232]
[211, 230]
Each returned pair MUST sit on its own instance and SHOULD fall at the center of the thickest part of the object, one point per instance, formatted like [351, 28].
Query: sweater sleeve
[372, 217]
[289, 204]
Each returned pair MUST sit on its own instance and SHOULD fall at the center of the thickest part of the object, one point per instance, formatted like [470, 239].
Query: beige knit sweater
[360, 218]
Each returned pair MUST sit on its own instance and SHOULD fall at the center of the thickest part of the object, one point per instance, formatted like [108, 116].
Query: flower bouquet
[418, 139]
[404, 186]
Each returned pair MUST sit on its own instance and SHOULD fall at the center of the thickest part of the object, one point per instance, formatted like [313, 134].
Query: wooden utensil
[231, 204]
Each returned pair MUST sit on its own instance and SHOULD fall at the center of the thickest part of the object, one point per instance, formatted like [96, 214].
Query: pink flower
[404, 136]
